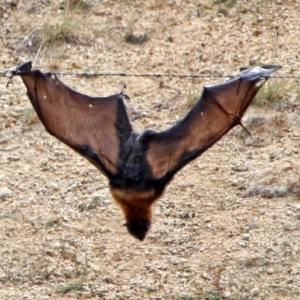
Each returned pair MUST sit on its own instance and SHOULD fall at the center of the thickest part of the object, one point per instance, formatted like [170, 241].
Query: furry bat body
[138, 166]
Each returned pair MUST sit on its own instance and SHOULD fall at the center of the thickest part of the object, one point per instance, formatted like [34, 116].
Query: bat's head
[137, 208]
[138, 228]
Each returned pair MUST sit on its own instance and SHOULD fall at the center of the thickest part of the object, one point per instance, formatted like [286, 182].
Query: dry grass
[64, 289]
[192, 95]
[274, 91]
[62, 29]
[30, 115]
[227, 3]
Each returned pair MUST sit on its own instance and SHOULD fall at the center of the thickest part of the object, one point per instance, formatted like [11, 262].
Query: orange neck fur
[136, 205]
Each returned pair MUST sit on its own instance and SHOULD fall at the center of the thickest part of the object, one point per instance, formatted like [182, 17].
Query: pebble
[252, 226]
[4, 194]
[242, 243]
[204, 57]
[206, 276]
[227, 294]
[260, 19]
[71, 295]
[122, 268]
[255, 292]
[246, 237]
[266, 191]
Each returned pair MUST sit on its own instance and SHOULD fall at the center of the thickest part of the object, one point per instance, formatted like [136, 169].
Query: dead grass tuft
[274, 91]
[227, 3]
[62, 29]
[192, 95]
[64, 289]
[30, 116]
[77, 4]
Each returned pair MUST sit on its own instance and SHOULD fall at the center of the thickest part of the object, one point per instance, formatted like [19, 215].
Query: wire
[86, 74]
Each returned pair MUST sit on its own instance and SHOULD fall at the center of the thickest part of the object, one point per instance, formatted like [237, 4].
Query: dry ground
[228, 227]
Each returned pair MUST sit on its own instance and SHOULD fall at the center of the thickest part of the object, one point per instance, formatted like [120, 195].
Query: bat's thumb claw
[11, 75]
[123, 95]
[26, 67]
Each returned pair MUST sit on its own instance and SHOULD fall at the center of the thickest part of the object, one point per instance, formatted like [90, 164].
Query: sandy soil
[227, 226]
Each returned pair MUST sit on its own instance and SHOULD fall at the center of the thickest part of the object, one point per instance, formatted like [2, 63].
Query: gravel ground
[227, 226]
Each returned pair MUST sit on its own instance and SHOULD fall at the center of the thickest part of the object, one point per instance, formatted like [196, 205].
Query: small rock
[253, 61]
[255, 292]
[4, 194]
[294, 119]
[223, 11]
[260, 19]
[10, 122]
[204, 57]
[195, 14]
[13, 158]
[90, 3]
[71, 295]
[252, 226]
[232, 12]
[246, 237]
[122, 268]
[226, 294]
[265, 191]
[242, 244]
[12, 3]
[257, 142]
[206, 276]
[207, 219]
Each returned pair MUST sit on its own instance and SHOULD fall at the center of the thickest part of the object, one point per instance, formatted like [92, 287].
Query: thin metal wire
[86, 74]
[139, 75]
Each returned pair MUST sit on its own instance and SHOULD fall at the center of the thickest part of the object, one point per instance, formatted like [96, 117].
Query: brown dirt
[62, 237]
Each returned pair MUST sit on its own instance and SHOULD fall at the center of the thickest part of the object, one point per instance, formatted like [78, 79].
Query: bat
[138, 166]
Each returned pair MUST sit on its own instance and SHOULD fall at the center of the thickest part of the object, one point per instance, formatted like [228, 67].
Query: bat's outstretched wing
[218, 110]
[93, 127]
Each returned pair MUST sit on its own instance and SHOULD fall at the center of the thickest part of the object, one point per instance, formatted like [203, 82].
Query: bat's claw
[123, 94]
[10, 78]
[26, 67]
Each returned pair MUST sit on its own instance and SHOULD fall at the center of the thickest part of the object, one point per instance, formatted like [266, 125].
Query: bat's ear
[26, 67]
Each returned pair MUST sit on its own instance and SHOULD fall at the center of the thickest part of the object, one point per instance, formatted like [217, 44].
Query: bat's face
[138, 228]
[137, 208]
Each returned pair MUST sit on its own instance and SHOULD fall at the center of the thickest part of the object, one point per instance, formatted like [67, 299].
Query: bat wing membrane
[218, 110]
[93, 127]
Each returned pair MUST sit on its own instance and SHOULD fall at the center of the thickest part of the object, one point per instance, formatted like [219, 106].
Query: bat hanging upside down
[138, 166]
